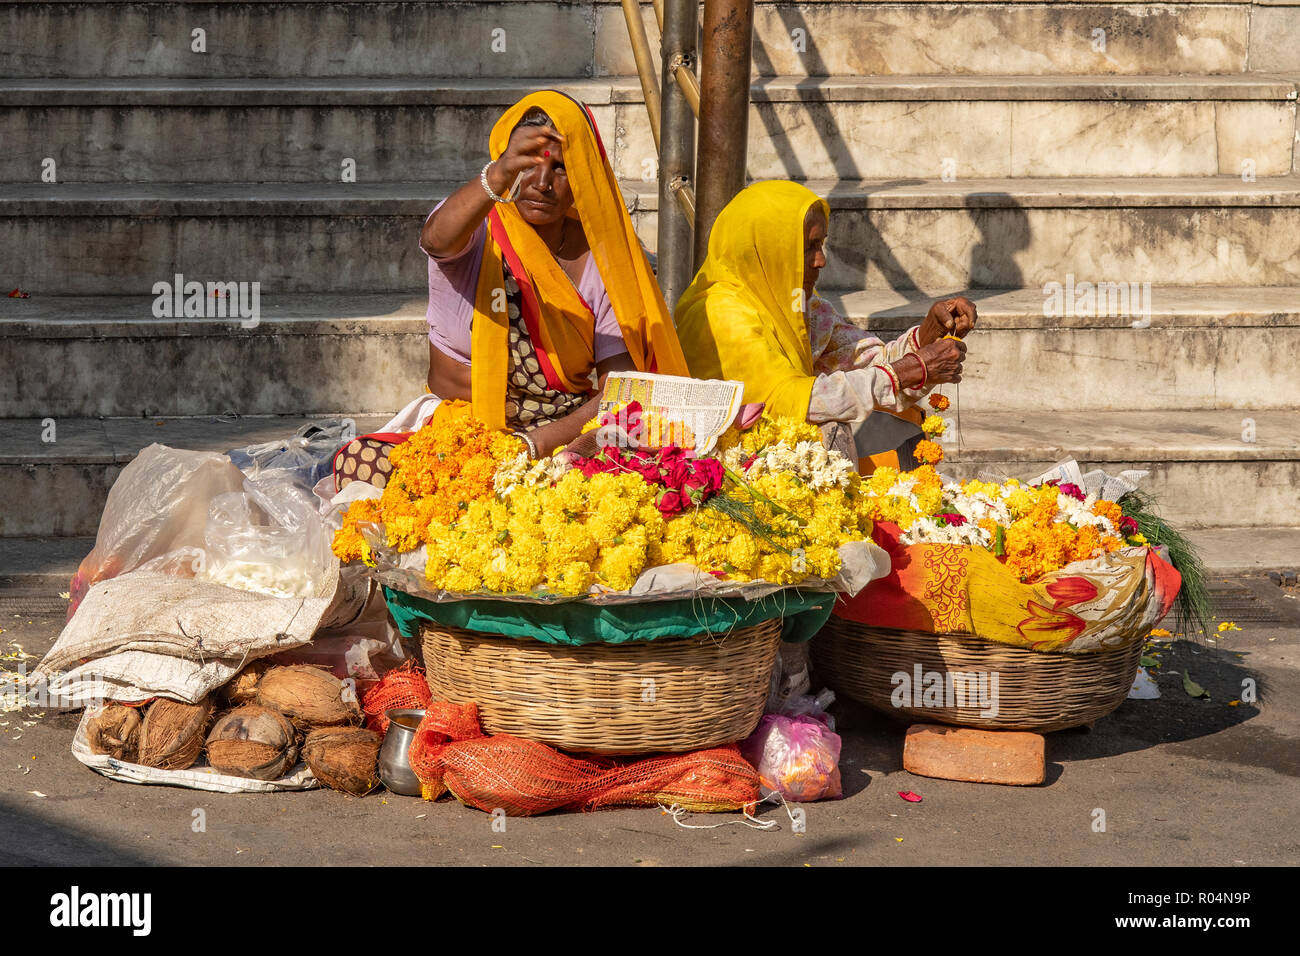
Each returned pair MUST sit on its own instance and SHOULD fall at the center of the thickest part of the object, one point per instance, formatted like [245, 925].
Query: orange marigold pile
[437, 472]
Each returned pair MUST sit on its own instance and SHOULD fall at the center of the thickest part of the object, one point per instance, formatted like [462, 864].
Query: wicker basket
[1036, 690]
[669, 695]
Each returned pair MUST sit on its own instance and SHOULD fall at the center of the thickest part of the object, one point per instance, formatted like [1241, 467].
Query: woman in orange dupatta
[538, 288]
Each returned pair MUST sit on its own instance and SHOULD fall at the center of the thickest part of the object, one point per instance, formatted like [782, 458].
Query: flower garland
[1035, 530]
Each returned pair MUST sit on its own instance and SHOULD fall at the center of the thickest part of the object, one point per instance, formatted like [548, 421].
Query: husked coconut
[171, 736]
[309, 696]
[242, 688]
[344, 758]
[115, 731]
[253, 741]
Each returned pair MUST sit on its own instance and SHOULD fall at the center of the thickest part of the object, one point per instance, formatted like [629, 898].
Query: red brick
[977, 756]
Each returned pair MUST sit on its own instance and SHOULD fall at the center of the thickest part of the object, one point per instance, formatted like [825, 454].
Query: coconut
[115, 731]
[309, 696]
[344, 758]
[254, 742]
[171, 736]
[242, 688]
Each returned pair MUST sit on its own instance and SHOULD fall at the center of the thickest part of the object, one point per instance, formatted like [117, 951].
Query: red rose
[671, 502]
[1128, 526]
[677, 475]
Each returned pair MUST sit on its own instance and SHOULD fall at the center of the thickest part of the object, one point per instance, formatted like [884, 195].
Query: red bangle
[925, 372]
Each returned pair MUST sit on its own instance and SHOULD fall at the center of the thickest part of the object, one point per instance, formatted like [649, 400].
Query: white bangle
[482, 178]
[527, 440]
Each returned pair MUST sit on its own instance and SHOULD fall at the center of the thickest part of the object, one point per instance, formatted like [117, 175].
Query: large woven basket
[1036, 690]
[669, 695]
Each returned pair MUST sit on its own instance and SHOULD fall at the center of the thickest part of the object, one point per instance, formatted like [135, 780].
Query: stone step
[548, 37]
[845, 127]
[83, 356]
[1201, 471]
[1199, 348]
[942, 37]
[1024, 233]
[114, 239]
[59, 488]
[322, 355]
[1204, 475]
[40, 565]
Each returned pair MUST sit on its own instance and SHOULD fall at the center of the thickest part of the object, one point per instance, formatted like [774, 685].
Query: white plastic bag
[267, 539]
[158, 505]
[797, 757]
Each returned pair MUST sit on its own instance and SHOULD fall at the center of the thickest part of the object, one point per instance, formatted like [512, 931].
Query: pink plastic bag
[797, 757]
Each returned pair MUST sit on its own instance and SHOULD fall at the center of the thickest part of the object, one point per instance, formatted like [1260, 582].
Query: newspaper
[687, 412]
[1096, 482]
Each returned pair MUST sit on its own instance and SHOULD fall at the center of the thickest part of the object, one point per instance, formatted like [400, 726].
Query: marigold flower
[928, 452]
[934, 425]
[939, 402]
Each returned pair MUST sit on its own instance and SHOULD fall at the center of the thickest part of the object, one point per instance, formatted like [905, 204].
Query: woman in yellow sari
[752, 314]
[538, 288]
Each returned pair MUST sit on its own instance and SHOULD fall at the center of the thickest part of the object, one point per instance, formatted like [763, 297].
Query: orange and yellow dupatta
[560, 323]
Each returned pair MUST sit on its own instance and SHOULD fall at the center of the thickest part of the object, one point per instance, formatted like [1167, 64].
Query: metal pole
[724, 111]
[676, 152]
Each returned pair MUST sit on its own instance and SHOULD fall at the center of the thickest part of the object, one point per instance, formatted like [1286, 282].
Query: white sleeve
[852, 396]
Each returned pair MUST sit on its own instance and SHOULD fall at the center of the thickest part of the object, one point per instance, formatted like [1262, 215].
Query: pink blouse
[452, 284]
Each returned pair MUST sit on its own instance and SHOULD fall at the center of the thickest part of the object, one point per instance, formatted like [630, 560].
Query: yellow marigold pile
[902, 498]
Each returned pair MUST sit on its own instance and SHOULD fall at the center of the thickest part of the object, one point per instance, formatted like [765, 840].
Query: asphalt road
[1181, 781]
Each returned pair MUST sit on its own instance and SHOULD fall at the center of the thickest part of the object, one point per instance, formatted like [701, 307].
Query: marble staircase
[984, 147]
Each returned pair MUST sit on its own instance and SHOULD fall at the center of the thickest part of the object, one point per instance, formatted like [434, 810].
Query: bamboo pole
[644, 64]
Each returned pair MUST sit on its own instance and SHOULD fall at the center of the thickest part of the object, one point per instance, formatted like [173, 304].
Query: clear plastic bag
[158, 505]
[796, 756]
[268, 539]
[304, 457]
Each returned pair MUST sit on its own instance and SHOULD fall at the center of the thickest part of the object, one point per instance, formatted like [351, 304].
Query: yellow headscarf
[743, 316]
[565, 321]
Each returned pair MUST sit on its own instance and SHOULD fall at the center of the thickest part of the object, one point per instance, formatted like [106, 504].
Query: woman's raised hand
[955, 316]
[943, 361]
[527, 148]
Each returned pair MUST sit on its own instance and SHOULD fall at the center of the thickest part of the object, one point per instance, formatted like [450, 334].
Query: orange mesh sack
[706, 781]
[522, 777]
[403, 686]
[525, 778]
[443, 722]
